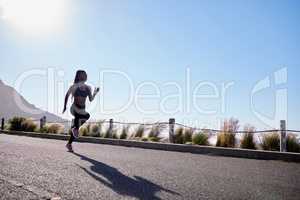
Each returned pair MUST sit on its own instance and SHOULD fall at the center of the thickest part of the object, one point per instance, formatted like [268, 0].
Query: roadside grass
[271, 142]
[107, 133]
[15, 124]
[6, 126]
[111, 133]
[155, 132]
[125, 132]
[55, 128]
[227, 137]
[22, 124]
[200, 139]
[183, 135]
[114, 135]
[139, 132]
[84, 130]
[94, 130]
[188, 135]
[100, 125]
[292, 144]
[29, 125]
[179, 136]
[247, 141]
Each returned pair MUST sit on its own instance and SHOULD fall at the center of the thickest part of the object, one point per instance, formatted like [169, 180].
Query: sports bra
[81, 92]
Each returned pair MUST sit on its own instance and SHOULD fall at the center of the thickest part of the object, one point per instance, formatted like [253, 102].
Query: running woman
[80, 91]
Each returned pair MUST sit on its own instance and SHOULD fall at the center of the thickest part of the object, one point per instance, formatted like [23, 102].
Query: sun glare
[34, 16]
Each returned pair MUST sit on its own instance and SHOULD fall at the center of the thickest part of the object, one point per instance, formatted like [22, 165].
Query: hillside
[13, 104]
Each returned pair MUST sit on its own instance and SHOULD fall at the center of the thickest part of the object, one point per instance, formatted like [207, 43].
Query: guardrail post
[42, 122]
[282, 135]
[171, 129]
[111, 125]
[2, 124]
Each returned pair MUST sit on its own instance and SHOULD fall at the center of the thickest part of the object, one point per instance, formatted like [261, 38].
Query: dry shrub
[271, 142]
[94, 130]
[179, 136]
[84, 130]
[139, 132]
[200, 139]
[124, 133]
[155, 131]
[188, 135]
[22, 124]
[292, 143]
[54, 128]
[227, 137]
[248, 138]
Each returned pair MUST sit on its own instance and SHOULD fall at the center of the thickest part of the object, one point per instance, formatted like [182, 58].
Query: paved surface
[33, 168]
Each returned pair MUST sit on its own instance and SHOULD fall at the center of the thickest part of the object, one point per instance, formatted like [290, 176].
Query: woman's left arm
[92, 96]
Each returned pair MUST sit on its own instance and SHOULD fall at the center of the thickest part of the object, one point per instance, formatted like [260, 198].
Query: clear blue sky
[220, 41]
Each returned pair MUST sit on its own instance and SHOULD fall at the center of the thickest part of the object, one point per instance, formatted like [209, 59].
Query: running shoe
[75, 132]
[69, 147]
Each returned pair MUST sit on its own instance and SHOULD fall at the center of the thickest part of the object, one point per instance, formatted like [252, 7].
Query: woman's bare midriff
[80, 101]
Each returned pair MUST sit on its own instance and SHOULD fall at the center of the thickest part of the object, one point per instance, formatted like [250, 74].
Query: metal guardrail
[172, 124]
[43, 120]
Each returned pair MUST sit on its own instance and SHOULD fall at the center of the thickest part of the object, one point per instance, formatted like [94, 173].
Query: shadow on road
[137, 187]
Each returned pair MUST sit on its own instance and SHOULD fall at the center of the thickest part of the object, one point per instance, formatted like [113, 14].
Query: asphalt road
[33, 168]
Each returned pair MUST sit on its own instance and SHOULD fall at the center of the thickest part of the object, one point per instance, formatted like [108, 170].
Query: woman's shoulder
[81, 86]
[87, 86]
[74, 86]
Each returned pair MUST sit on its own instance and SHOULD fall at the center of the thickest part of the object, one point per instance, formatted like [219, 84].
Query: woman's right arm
[66, 98]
